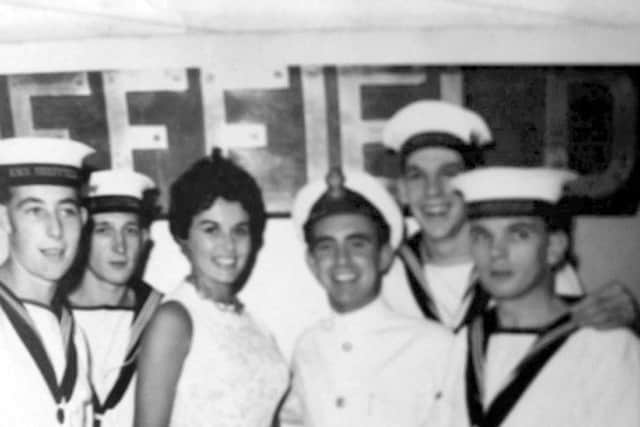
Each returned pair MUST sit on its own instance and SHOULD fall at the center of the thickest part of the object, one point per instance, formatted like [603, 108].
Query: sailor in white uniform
[43, 357]
[365, 365]
[110, 303]
[434, 276]
[526, 361]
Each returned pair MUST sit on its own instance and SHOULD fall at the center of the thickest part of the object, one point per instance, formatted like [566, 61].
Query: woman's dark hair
[206, 181]
[150, 210]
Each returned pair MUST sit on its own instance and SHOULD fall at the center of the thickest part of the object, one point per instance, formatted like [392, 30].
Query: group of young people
[475, 320]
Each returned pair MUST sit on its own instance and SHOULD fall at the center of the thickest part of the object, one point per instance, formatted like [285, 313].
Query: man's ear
[146, 235]
[84, 215]
[311, 262]
[557, 248]
[5, 222]
[401, 191]
[385, 256]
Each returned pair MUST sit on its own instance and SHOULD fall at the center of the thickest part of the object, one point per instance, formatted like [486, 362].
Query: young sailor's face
[511, 254]
[348, 260]
[44, 224]
[116, 243]
[219, 242]
[436, 207]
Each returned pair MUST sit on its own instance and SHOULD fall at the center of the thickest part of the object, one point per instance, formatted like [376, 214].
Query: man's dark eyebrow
[206, 221]
[28, 200]
[365, 236]
[319, 239]
[69, 200]
[479, 229]
[524, 224]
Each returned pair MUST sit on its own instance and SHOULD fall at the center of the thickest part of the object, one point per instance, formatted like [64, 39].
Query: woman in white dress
[204, 360]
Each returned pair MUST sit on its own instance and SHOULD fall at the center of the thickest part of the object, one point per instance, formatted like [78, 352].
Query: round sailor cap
[435, 123]
[361, 189]
[117, 190]
[508, 191]
[34, 160]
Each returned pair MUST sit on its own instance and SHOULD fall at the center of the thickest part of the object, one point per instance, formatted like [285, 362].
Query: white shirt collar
[364, 318]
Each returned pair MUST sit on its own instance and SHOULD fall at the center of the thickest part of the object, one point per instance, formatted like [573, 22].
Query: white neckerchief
[449, 286]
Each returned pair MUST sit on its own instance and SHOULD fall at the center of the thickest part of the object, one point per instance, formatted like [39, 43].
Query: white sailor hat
[361, 188]
[34, 160]
[507, 191]
[117, 190]
[435, 123]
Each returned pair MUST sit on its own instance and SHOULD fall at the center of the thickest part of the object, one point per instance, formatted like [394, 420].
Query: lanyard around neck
[28, 334]
[421, 288]
[140, 321]
[549, 341]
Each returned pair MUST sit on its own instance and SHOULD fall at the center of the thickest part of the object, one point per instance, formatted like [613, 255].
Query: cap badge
[335, 183]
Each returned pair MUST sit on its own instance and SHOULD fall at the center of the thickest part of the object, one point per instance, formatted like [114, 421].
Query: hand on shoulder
[611, 306]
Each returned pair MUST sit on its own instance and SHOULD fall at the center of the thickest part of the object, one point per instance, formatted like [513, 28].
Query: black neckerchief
[25, 328]
[550, 340]
[146, 303]
[414, 262]
[479, 303]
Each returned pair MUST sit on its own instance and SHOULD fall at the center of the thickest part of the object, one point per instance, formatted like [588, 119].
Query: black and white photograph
[338, 213]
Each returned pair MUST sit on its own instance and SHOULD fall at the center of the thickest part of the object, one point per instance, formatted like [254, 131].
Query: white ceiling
[58, 35]
[33, 20]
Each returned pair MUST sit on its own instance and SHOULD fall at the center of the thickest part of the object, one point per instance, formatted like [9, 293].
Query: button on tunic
[371, 368]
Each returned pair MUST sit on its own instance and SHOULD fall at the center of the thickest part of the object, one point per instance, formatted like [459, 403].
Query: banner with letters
[289, 124]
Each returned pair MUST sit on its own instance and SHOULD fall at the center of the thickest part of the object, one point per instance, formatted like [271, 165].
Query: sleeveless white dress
[233, 375]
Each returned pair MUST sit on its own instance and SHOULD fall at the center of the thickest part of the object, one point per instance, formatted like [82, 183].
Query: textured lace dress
[233, 375]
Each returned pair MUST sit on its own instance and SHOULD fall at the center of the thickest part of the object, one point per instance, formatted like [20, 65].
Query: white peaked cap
[119, 182]
[34, 160]
[435, 116]
[115, 189]
[36, 150]
[489, 186]
[361, 183]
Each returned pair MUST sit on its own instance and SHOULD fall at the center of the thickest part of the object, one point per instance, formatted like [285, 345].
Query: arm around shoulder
[617, 371]
[164, 347]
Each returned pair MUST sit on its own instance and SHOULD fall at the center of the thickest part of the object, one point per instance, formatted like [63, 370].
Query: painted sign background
[287, 125]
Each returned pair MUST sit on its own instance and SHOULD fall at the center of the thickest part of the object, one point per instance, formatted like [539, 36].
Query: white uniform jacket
[372, 367]
[113, 336]
[25, 399]
[592, 380]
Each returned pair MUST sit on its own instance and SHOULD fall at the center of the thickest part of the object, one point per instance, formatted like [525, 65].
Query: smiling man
[43, 361]
[110, 303]
[436, 141]
[365, 365]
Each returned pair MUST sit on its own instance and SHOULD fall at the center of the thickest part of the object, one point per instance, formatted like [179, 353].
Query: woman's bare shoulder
[171, 324]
